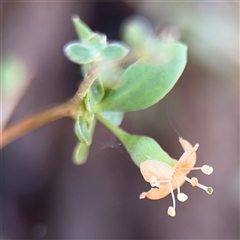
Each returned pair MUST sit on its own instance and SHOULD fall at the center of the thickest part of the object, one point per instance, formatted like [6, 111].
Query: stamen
[154, 182]
[171, 211]
[182, 197]
[195, 168]
[208, 190]
[207, 169]
[178, 188]
[173, 197]
[194, 182]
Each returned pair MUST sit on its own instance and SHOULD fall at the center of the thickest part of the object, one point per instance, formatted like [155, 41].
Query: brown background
[45, 196]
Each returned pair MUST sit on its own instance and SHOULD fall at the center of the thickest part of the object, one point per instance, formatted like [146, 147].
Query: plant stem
[32, 122]
[85, 85]
[69, 109]
[117, 131]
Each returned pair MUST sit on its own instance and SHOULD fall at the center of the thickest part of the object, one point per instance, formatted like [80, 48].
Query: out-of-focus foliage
[14, 81]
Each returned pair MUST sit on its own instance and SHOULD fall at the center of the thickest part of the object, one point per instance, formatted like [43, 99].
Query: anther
[182, 197]
[154, 182]
[194, 181]
[209, 190]
[171, 211]
[207, 169]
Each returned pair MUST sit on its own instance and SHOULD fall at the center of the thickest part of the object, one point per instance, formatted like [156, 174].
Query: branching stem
[69, 109]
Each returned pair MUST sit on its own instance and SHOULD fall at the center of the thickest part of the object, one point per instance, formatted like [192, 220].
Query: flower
[164, 178]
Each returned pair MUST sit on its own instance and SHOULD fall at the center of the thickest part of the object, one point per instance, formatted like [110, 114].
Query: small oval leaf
[114, 51]
[79, 53]
[80, 153]
[84, 128]
[96, 42]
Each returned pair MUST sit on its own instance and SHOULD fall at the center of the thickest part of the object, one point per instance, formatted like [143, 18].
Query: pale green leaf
[82, 30]
[84, 128]
[136, 31]
[145, 83]
[79, 53]
[80, 153]
[114, 51]
[97, 91]
[96, 42]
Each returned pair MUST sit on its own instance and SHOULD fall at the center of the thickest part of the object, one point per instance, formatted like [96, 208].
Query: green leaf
[109, 75]
[144, 83]
[136, 31]
[14, 80]
[82, 30]
[97, 91]
[79, 53]
[88, 116]
[96, 42]
[80, 153]
[84, 128]
[14, 74]
[114, 51]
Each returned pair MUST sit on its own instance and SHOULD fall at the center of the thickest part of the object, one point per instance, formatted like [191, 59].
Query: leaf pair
[92, 47]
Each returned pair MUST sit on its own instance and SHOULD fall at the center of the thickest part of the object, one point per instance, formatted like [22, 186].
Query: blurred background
[46, 196]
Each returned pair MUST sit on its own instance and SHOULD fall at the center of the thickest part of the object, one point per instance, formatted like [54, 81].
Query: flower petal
[155, 193]
[160, 170]
[188, 159]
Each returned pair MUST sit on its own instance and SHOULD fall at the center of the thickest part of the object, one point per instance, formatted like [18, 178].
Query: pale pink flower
[164, 178]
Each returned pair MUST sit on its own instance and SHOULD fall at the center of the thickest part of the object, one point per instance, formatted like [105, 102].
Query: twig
[33, 122]
[69, 109]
